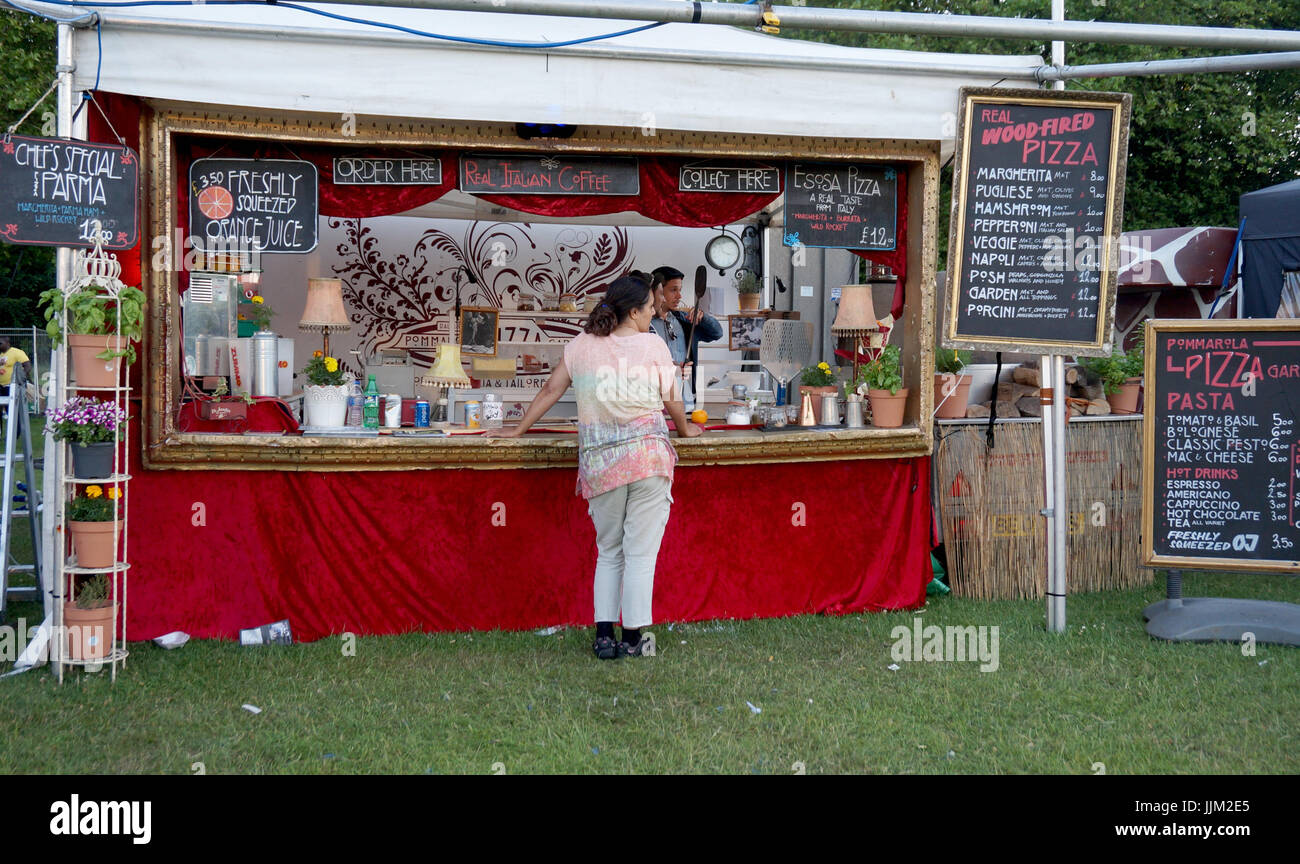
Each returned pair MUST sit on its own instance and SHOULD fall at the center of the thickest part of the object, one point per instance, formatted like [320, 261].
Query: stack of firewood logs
[1019, 397]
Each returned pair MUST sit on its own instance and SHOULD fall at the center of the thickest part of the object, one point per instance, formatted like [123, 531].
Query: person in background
[11, 358]
[623, 378]
[674, 325]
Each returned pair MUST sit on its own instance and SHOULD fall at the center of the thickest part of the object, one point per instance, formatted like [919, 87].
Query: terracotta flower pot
[748, 302]
[817, 394]
[887, 409]
[957, 390]
[93, 543]
[87, 369]
[1126, 400]
[90, 631]
[324, 405]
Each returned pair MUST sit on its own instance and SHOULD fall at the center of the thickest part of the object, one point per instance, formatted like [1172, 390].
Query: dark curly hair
[623, 295]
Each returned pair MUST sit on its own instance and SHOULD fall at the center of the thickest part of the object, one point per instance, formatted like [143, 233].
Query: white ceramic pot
[324, 405]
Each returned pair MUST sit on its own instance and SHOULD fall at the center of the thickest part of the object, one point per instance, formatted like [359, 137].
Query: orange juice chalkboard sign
[250, 204]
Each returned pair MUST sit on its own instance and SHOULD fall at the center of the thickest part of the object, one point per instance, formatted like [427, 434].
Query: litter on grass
[549, 631]
[174, 639]
[251, 709]
[893, 667]
[753, 707]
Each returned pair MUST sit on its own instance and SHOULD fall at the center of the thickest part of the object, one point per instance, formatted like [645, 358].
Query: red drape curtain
[896, 258]
[390, 552]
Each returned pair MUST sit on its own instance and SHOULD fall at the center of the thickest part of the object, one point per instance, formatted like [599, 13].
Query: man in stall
[674, 326]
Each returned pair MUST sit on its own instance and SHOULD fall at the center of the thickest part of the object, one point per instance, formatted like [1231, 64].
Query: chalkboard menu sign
[53, 190]
[749, 177]
[1037, 201]
[349, 171]
[267, 204]
[1221, 455]
[835, 205]
[531, 174]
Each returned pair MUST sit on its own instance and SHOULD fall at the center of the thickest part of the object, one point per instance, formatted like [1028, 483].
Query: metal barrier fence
[35, 343]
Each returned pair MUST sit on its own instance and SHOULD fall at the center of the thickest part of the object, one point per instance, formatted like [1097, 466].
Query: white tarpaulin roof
[688, 77]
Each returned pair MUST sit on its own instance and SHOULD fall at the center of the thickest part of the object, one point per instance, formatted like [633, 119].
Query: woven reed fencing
[989, 503]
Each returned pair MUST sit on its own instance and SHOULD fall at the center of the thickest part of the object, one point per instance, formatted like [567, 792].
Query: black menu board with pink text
[1221, 455]
[1038, 195]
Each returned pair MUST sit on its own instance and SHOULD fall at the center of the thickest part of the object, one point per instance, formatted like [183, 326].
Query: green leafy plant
[821, 375]
[259, 312]
[93, 505]
[324, 371]
[93, 592]
[1120, 366]
[747, 283]
[92, 312]
[885, 372]
[950, 360]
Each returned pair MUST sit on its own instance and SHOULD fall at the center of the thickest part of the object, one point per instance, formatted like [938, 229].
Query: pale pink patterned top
[620, 383]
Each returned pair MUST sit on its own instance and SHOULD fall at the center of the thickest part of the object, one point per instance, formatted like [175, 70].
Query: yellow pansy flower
[93, 491]
[258, 299]
[114, 492]
[824, 366]
[331, 365]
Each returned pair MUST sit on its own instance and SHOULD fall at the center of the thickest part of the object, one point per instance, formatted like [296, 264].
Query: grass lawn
[460, 702]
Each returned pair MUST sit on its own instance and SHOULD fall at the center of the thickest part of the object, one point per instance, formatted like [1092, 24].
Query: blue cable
[347, 18]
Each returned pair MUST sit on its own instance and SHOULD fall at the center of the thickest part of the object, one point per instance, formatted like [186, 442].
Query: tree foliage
[1196, 142]
[27, 58]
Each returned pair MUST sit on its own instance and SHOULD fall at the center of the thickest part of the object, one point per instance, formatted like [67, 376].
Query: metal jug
[830, 410]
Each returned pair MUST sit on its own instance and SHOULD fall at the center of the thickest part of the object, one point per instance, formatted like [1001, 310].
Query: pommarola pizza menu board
[1037, 200]
[1221, 449]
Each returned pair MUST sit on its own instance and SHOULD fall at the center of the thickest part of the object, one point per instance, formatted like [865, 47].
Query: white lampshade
[447, 370]
[324, 310]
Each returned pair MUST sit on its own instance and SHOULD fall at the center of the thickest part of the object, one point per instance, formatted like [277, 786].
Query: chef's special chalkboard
[266, 204]
[1221, 448]
[1037, 200]
[835, 205]
[530, 174]
[53, 190]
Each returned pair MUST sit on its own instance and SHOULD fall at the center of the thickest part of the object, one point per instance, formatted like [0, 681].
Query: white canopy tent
[699, 78]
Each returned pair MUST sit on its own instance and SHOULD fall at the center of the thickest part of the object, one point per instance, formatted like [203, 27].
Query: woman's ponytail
[623, 295]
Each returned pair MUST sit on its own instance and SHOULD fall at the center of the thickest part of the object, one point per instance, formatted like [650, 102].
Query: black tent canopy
[1270, 246]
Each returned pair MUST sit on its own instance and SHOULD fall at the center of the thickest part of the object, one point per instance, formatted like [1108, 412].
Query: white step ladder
[18, 451]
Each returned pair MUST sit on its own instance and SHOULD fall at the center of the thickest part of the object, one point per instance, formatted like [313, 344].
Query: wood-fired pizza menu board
[1221, 455]
[1037, 199]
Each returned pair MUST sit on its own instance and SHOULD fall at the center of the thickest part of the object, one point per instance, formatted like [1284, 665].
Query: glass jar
[492, 411]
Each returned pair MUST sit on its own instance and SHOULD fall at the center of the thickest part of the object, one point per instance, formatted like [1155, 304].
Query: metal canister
[853, 413]
[203, 356]
[392, 410]
[422, 413]
[266, 363]
[830, 410]
[473, 414]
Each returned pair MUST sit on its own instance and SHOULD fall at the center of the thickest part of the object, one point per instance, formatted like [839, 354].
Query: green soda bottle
[371, 410]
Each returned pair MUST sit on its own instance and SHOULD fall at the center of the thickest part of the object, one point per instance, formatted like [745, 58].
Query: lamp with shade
[856, 318]
[324, 310]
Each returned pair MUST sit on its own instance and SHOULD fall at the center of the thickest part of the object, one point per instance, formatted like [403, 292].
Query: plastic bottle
[356, 403]
[372, 404]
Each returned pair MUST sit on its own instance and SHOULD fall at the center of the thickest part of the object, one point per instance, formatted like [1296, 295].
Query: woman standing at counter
[623, 378]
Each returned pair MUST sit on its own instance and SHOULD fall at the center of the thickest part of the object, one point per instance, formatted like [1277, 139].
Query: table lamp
[856, 318]
[324, 310]
[447, 371]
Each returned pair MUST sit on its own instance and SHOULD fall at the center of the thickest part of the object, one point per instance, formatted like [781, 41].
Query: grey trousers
[630, 523]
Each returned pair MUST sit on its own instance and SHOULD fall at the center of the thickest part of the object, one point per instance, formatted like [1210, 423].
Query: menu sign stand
[1038, 195]
[1221, 470]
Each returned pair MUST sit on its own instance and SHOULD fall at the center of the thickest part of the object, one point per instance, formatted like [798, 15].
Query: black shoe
[645, 647]
[605, 648]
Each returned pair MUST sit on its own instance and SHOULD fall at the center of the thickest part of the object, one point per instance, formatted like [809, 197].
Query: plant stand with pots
[90, 563]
